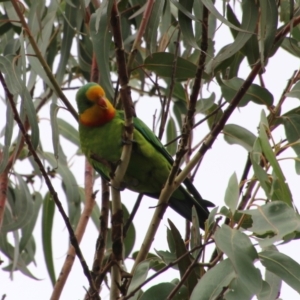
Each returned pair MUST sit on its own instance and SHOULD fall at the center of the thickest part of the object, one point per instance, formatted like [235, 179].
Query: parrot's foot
[122, 186]
[113, 167]
[127, 142]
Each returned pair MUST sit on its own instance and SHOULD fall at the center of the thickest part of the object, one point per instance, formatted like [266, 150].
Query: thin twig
[101, 241]
[165, 108]
[133, 212]
[140, 33]
[188, 125]
[117, 213]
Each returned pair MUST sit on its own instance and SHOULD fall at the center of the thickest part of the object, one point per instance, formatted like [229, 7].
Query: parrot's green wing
[153, 139]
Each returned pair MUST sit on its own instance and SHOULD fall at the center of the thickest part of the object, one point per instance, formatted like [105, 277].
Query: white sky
[219, 164]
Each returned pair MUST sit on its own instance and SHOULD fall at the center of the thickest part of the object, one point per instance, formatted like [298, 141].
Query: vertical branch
[189, 120]
[101, 243]
[165, 108]
[140, 33]
[172, 184]
[117, 213]
[79, 232]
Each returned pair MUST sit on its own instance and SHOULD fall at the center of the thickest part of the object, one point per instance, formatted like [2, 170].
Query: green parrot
[101, 128]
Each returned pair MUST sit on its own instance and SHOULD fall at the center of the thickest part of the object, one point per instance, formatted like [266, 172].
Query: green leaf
[129, 240]
[295, 91]
[232, 193]
[255, 93]
[210, 6]
[19, 207]
[153, 23]
[171, 135]
[54, 127]
[155, 262]
[204, 104]
[102, 38]
[171, 242]
[139, 276]
[17, 87]
[72, 19]
[291, 124]
[179, 109]
[235, 134]
[283, 266]
[214, 280]
[181, 8]
[275, 217]
[286, 10]
[47, 226]
[163, 290]
[8, 250]
[27, 230]
[280, 183]
[195, 233]
[262, 177]
[267, 27]
[271, 288]
[267, 149]
[162, 64]
[240, 251]
[291, 45]
[213, 120]
[7, 138]
[249, 22]
[185, 23]
[68, 132]
[166, 256]
[70, 184]
[185, 262]
[211, 218]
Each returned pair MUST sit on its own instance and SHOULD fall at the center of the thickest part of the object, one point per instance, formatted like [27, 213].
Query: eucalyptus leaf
[283, 266]
[240, 251]
[235, 134]
[275, 217]
[255, 93]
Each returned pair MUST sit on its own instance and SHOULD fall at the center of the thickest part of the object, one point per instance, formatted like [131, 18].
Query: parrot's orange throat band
[97, 116]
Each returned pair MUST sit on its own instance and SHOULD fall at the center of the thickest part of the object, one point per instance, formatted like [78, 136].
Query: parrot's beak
[101, 102]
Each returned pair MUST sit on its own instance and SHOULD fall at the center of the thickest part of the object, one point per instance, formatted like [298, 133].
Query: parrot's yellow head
[93, 106]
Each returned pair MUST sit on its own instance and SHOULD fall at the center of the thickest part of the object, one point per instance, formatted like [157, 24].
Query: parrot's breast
[148, 169]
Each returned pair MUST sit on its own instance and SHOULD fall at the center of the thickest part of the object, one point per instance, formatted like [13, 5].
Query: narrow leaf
[213, 282]
[171, 135]
[162, 64]
[235, 134]
[275, 217]
[232, 193]
[239, 249]
[139, 276]
[255, 93]
[47, 226]
[283, 266]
